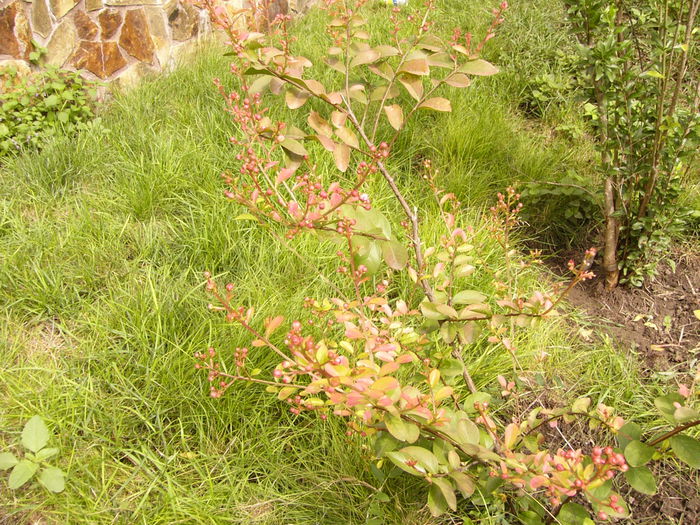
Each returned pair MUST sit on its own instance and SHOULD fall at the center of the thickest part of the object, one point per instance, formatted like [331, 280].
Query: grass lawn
[103, 241]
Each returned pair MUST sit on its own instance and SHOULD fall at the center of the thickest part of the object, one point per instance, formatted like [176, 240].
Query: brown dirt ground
[658, 322]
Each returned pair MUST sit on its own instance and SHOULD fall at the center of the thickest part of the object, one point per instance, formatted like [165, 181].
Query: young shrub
[391, 365]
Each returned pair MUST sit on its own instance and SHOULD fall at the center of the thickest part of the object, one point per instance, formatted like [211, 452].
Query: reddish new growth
[288, 195]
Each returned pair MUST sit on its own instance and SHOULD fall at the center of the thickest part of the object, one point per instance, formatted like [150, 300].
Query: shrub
[42, 105]
[644, 102]
[391, 364]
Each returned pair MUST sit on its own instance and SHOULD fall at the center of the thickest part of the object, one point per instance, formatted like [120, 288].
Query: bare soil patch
[656, 320]
[658, 323]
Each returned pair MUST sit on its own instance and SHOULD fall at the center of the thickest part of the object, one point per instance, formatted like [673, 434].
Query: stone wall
[104, 39]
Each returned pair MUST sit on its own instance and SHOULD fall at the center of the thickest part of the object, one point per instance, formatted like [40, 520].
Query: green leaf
[7, 460]
[448, 492]
[319, 124]
[384, 443]
[369, 254]
[46, 453]
[35, 434]
[423, 456]
[395, 254]
[401, 430]
[465, 484]
[436, 501]
[599, 493]
[685, 414]
[458, 80]
[638, 453]
[653, 73]
[581, 405]
[628, 433]
[413, 84]
[294, 146]
[402, 461]
[348, 137]
[51, 101]
[530, 517]
[478, 67]
[687, 449]
[665, 405]
[286, 391]
[430, 311]
[245, 217]
[472, 399]
[451, 367]
[468, 297]
[260, 84]
[642, 480]
[23, 472]
[574, 514]
[53, 479]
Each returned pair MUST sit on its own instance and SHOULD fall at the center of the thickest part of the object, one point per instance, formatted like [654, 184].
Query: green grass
[103, 241]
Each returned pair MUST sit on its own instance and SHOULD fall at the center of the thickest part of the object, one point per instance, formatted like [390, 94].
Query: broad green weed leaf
[7, 460]
[35, 434]
[53, 479]
[23, 472]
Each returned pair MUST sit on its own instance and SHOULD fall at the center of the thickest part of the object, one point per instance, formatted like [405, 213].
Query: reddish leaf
[384, 92]
[479, 67]
[430, 42]
[385, 384]
[272, 324]
[357, 92]
[413, 84]
[389, 368]
[348, 137]
[336, 63]
[417, 66]
[338, 118]
[383, 70]
[319, 124]
[387, 51]
[260, 84]
[395, 115]
[333, 98]
[459, 80]
[295, 98]
[365, 57]
[276, 86]
[441, 60]
[327, 143]
[437, 104]
[341, 154]
[314, 86]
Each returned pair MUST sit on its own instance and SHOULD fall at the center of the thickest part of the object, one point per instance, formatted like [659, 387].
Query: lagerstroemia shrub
[391, 366]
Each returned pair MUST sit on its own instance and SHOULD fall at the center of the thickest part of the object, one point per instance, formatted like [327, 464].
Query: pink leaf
[284, 174]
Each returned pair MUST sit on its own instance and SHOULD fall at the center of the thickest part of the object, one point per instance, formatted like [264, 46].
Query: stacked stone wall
[104, 39]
